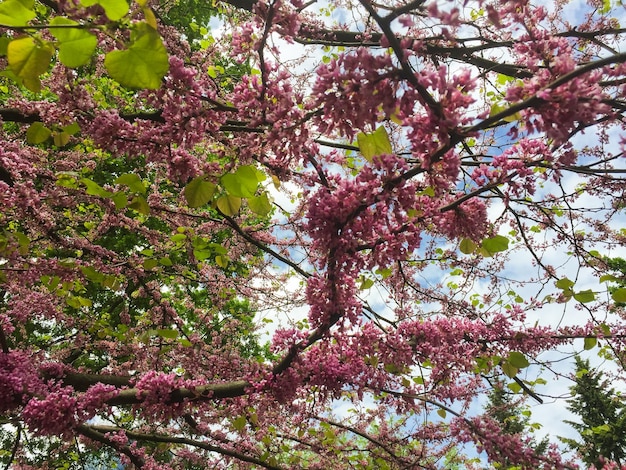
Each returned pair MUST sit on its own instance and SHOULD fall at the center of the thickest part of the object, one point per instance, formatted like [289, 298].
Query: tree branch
[102, 429]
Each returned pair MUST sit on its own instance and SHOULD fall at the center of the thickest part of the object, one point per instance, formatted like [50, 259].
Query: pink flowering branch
[100, 436]
[97, 432]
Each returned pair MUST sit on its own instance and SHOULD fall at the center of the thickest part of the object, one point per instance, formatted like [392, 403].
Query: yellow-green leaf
[467, 246]
[222, 261]
[239, 423]
[509, 369]
[229, 205]
[495, 244]
[28, 59]
[76, 46]
[143, 64]
[585, 296]
[260, 204]
[518, 360]
[16, 12]
[140, 205]
[37, 133]
[374, 143]
[590, 343]
[114, 9]
[150, 263]
[242, 183]
[198, 192]
[619, 295]
[61, 139]
[442, 413]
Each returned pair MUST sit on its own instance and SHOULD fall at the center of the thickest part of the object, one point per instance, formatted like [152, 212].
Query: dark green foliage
[601, 410]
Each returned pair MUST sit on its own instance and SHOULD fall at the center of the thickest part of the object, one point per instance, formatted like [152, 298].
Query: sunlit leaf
[143, 64]
[140, 205]
[585, 296]
[61, 139]
[590, 343]
[229, 205]
[564, 283]
[114, 9]
[28, 59]
[94, 189]
[168, 333]
[467, 246]
[518, 360]
[133, 182]
[242, 183]
[199, 192]
[509, 369]
[16, 12]
[260, 204]
[374, 143]
[495, 244]
[76, 46]
[514, 387]
[619, 295]
[37, 133]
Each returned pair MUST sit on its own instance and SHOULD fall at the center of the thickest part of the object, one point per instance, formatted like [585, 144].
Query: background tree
[603, 426]
[220, 255]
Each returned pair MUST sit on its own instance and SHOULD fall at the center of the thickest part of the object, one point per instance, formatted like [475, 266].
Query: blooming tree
[216, 254]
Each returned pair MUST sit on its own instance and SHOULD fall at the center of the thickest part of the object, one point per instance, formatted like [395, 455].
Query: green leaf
[366, 283]
[72, 129]
[198, 192]
[229, 205]
[143, 64]
[590, 343]
[114, 9]
[518, 360]
[28, 59]
[150, 263]
[509, 369]
[120, 200]
[514, 387]
[168, 333]
[467, 246]
[94, 189]
[374, 143]
[619, 295]
[140, 205]
[37, 133]
[222, 261]
[239, 423]
[495, 244]
[61, 139]
[564, 283]
[76, 46]
[260, 204]
[441, 413]
[585, 296]
[133, 181]
[242, 183]
[165, 261]
[16, 12]
[608, 277]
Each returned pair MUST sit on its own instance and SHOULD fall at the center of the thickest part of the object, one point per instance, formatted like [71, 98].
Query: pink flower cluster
[18, 379]
[354, 91]
[578, 101]
[54, 414]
